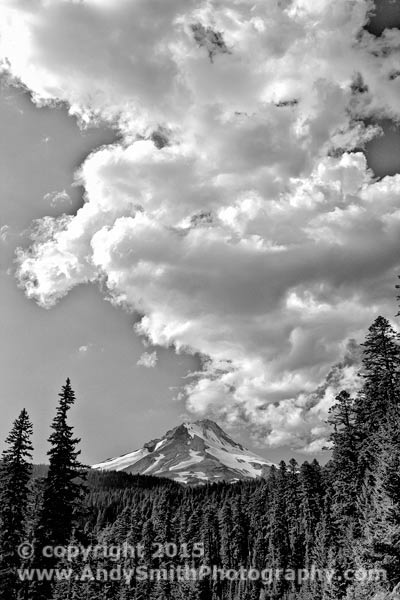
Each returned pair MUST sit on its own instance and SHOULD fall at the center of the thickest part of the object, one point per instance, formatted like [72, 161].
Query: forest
[307, 532]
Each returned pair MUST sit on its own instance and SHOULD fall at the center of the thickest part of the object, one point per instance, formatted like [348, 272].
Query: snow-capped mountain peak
[192, 453]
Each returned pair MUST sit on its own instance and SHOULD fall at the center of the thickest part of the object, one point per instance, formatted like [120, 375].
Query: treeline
[341, 518]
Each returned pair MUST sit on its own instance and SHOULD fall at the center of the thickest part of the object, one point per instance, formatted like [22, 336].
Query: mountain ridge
[192, 453]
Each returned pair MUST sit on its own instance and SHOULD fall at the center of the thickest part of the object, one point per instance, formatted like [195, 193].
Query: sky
[194, 223]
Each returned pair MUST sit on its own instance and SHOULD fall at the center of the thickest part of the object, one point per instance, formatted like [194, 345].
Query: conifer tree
[15, 473]
[64, 486]
[312, 494]
[378, 423]
[63, 491]
[380, 504]
[344, 475]
[294, 520]
[239, 532]
[225, 528]
[279, 542]
[381, 370]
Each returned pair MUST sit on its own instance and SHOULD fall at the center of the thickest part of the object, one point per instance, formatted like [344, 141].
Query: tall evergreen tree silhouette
[63, 491]
[15, 472]
[343, 469]
[380, 395]
[381, 354]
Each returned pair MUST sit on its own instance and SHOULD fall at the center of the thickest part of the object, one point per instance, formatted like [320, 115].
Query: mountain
[192, 453]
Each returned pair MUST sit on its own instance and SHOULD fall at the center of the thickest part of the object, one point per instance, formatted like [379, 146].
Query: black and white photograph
[200, 299]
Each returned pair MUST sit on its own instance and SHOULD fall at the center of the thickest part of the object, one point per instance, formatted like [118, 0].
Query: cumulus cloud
[148, 360]
[235, 214]
[57, 199]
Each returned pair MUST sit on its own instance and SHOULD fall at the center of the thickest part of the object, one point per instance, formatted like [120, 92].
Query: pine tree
[225, 529]
[239, 533]
[293, 511]
[380, 504]
[378, 422]
[312, 494]
[63, 492]
[344, 474]
[381, 358]
[15, 473]
[381, 370]
[278, 556]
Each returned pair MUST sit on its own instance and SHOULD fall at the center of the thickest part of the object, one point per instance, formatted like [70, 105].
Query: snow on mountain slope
[192, 453]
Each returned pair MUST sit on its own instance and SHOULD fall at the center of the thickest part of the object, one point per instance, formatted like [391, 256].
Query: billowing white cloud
[148, 360]
[57, 199]
[233, 215]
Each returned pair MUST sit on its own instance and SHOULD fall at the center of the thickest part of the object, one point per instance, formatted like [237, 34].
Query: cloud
[235, 214]
[4, 233]
[56, 199]
[148, 360]
[84, 349]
